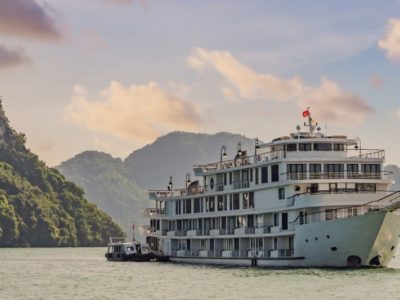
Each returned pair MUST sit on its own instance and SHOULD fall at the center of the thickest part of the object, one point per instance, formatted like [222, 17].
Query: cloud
[12, 57]
[140, 112]
[398, 113]
[250, 85]
[27, 18]
[376, 81]
[328, 101]
[391, 41]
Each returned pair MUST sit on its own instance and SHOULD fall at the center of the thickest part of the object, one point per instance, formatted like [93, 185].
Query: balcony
[151, 212]
[245, 230]
[162, 194]
[240, 185]
[215, 232]
[192, 233]
[281, 253]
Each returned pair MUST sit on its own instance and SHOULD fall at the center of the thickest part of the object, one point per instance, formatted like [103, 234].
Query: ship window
[220, 203]
[230, 178]
[251, 174]
[225, 178]
[352, 212]
[196, 205]
[304, 147]
[322, 147]
[178, 207]
[264, 174]
[275, 173]
[338, 147]
[235, 201]
[281, 193]
[256, 175]
[330, 214]
[296, 171]
[188, 206]
[276, 219]
[303, 217]
[284, 221]
[352, 171]
[245, 200]
[315, 171]
[366, 187]
[371, 171]
[291, 147]
[334, 171]
[251, 200]
[211, 206]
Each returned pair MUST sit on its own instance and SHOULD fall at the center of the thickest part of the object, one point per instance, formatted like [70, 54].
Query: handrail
[357, 206]
[252, 159]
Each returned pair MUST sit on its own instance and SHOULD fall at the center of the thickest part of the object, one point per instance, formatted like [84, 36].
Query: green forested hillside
[38, 207]
[103, 178]
[119, 187]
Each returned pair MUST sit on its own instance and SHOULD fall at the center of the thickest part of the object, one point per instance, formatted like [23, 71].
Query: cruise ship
[303, 200]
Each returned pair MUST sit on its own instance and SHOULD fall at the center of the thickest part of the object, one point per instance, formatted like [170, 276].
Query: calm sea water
[83, 273]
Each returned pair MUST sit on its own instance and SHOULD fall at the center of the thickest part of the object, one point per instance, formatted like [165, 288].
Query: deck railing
[337, 175]
[390, 201]
[244, 253]
[282, 154]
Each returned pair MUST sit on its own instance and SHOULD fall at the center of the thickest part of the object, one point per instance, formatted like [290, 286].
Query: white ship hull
[372, 237]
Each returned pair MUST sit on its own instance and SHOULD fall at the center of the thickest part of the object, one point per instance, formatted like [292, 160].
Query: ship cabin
[250, 205]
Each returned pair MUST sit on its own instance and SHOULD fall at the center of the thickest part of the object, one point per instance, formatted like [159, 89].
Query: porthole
[306, 240]
[316, 238]
[391, 249]
[333, 248]
[328, 236]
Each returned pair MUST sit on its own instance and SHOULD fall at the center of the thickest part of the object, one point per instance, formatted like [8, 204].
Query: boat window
[371, 170]
[276, 219]
[304, 147]
[291, 147]
[296, 171]
[275, 173]
[352, 171]
[315, 171]
[188, 206]
[281, 193]
[366, 187]
[256, 175]
[264, 174]
[220, 204]
[196, 205]
[330, 214]
[251, 200]
[245, 200]
[334, 170]
[322, 147]
[338, 147]
[235, 201]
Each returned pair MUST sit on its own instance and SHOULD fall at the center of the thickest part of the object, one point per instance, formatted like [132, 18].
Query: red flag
[306, 113]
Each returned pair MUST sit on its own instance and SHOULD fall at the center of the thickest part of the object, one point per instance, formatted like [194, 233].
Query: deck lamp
[223, 154]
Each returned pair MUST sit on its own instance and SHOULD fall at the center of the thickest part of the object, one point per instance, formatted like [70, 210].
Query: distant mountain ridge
[119, 187]
[38, 207]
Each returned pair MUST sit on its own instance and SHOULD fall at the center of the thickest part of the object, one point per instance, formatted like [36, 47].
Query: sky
[113, 75]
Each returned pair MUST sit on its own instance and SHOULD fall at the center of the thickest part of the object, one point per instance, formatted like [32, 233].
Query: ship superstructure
[306, 199]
